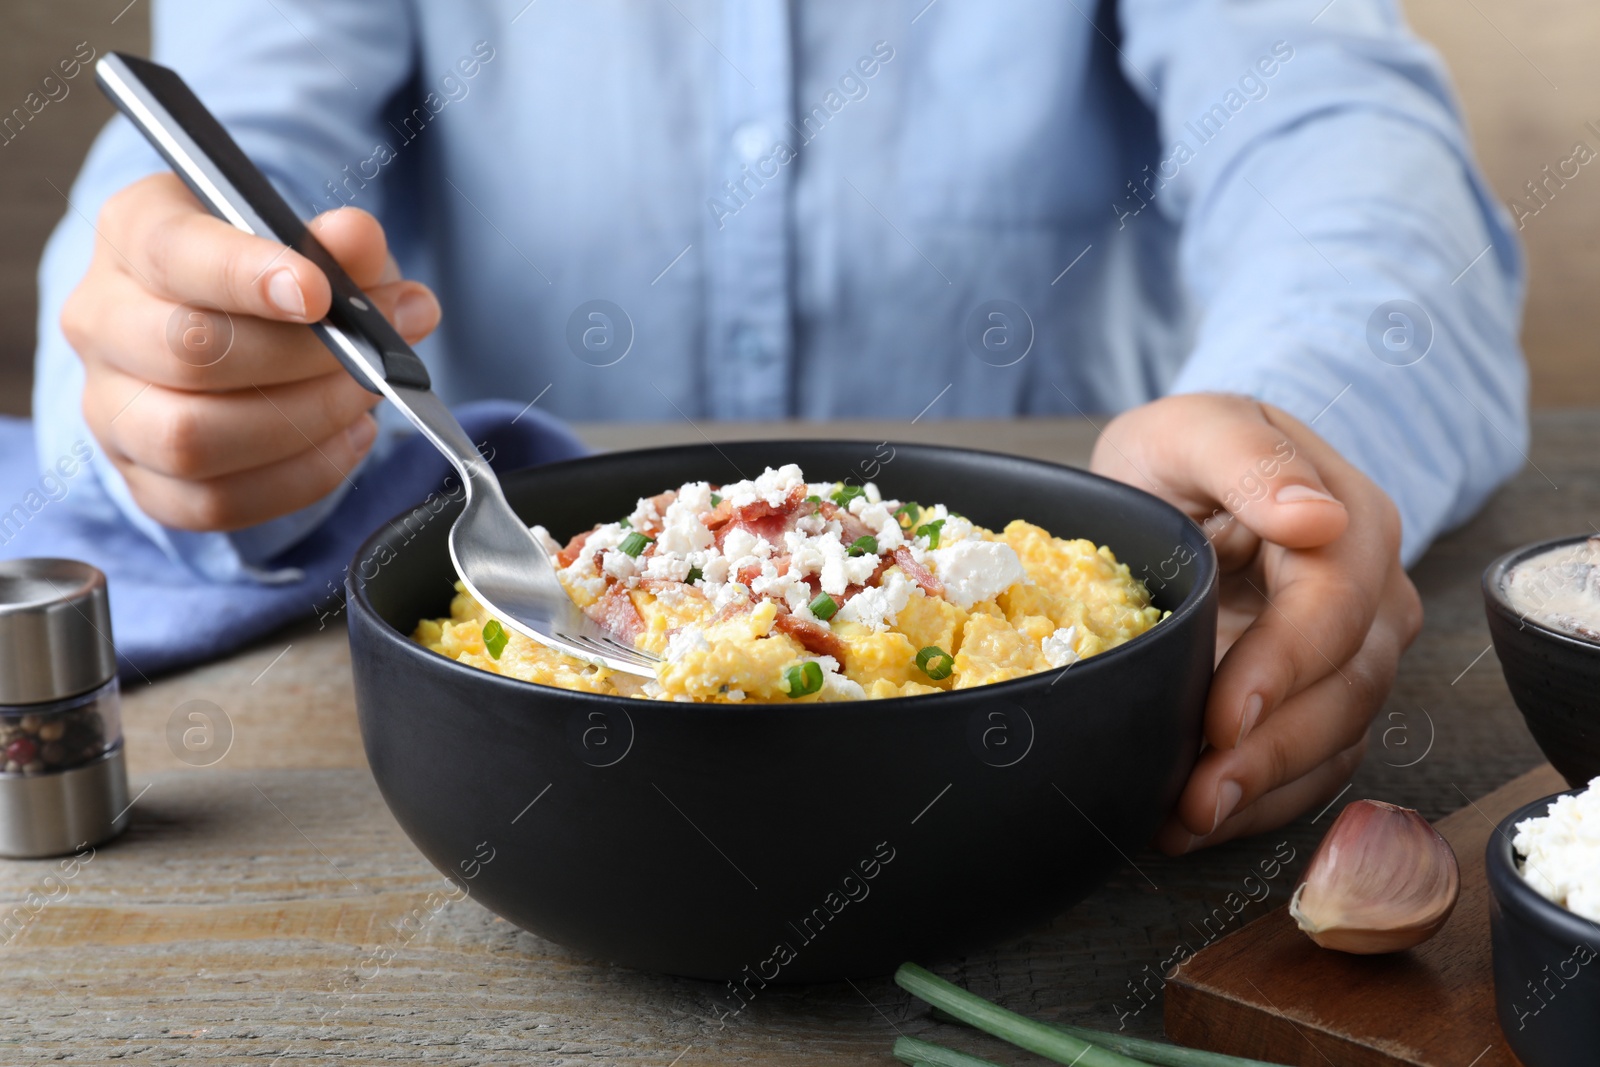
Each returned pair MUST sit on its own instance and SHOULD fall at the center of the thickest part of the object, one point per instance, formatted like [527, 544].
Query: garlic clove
[1382, 880]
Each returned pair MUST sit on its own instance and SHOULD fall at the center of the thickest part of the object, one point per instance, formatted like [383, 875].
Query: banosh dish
[776, 589]
[814, 840]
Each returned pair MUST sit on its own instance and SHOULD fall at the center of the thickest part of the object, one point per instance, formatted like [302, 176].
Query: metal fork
[499, 561]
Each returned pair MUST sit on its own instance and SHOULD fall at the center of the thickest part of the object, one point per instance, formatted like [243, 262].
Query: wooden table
[253, 912]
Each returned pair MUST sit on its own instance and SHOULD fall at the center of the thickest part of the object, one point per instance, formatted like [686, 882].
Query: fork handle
[163, 108]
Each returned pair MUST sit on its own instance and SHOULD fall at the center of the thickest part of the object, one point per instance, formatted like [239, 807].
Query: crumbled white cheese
[877, 607]
[1561, 851]
[885, 527]
[734, 695]
[591, 583]
[663, 565]
[694, 497]
[619, 564]
[1058, 647]
[773, 486]
[788, 587]
[836, 686]
[728, 594]
[684, 641]
[976, 570]
[644, 515]
[684, 532]
[713, 567]
[956, 528]
[581, 573]
[673, 596]
[739, 543]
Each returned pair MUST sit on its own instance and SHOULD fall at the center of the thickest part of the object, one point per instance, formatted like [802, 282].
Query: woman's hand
[209, 439]
[1315, 606]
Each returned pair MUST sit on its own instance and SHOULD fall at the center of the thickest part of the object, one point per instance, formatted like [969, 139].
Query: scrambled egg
[770, 591]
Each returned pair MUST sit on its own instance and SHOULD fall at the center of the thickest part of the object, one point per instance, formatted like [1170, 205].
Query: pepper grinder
[63, 776]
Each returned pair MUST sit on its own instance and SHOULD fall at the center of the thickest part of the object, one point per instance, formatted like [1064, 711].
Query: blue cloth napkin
[165, 616]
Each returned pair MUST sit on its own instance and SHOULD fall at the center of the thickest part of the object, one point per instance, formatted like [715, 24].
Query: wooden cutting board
[1267, 992]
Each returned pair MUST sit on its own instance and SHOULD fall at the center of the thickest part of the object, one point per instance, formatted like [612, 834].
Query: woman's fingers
[201, 380]
[1316, 603]
[158, 232]
[358, 242]
[1315, 617]
[202, 436]
[254, 496]
[203, 350]
[1220, 459]
[1272, 810]
[1307, 730]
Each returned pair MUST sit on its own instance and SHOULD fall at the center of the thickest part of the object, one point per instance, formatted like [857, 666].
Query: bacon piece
[917, 572]
[812, 636]
[850, 526]
[761, 518]
[567, 555]
[616, 613]
[718, 516]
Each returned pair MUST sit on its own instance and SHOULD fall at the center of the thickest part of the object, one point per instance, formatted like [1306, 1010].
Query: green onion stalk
[953, 1002]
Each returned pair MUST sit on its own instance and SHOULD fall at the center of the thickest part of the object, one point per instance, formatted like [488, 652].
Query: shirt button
[748, 348]
[751, 141]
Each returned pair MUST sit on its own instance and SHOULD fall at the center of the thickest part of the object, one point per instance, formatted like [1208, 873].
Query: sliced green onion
[864, 546]
[935, 662]
[716, 499]
[803, 679]
[813, 499]
[930, 530]
[626, 524]
[907, 513]
[634, 544]
[695, 574]
[910, 1050]
[846, 493]
[823, 606]
[1009, 1026]
[494, 638]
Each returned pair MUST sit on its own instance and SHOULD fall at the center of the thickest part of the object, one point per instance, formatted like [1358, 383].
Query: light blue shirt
[963, 208]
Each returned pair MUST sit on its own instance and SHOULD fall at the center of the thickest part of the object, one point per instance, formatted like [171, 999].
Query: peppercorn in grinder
[63, 777]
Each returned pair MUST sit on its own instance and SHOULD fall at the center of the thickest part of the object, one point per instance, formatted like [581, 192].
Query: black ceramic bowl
[1553, 677]
[1546, 962]
[786, 843]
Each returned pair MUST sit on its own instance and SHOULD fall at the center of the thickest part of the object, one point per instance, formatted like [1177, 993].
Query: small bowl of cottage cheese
[1543, 604]
[1543, 866]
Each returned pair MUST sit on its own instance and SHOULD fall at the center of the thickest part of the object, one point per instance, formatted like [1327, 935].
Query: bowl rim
[1508, 886]
[1493, 584]
[356, 593]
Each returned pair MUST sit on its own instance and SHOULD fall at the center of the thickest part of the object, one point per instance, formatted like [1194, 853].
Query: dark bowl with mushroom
[756, 844]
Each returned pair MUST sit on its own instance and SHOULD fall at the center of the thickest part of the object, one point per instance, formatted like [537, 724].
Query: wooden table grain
[266, 909]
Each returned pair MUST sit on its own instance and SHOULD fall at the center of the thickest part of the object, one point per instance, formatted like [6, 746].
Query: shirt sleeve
[302, 86]
[1347, 261]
